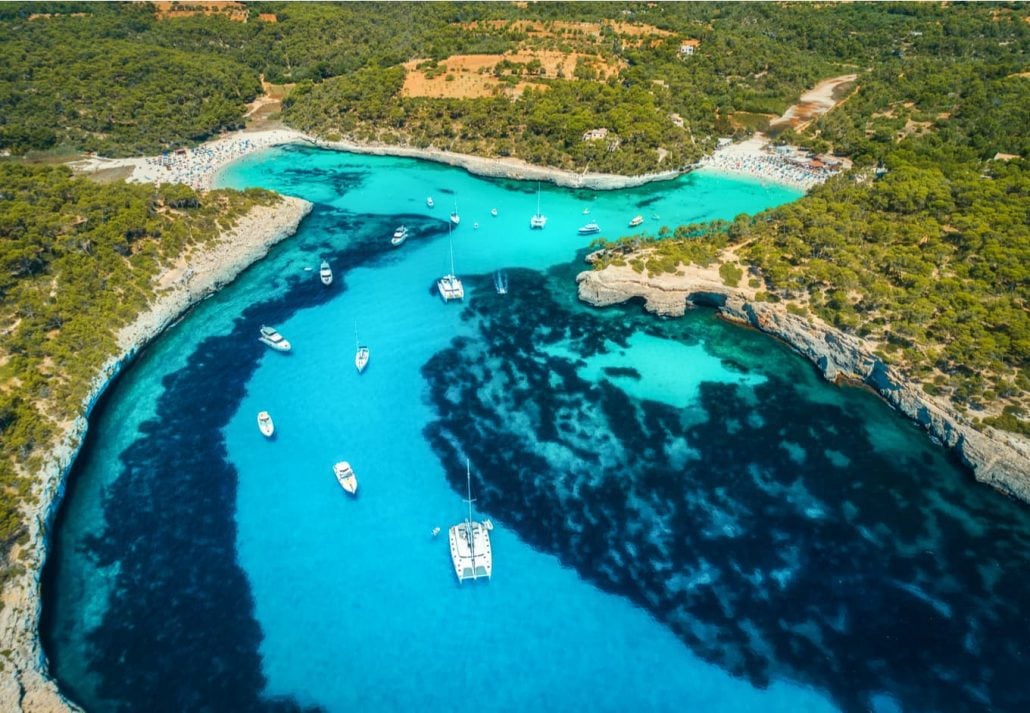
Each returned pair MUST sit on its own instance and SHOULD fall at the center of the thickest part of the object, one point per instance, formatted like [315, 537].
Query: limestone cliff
[997, 458]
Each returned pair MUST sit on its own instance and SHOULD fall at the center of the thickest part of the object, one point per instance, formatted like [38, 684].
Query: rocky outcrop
[24, 682]
[997, 458]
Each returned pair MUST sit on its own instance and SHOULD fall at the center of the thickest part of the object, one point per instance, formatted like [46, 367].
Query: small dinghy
[265, 424]
[345, 477]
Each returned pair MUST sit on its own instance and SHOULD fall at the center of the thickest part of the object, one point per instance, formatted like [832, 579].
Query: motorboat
[539, 220]
[470, 543]
[493, 212]
[449, 285]
[590, 229]
[273, 339]
[345, 477]
[429, 202]
[265, 424]
[325, 273]
[636, 221]
[399, 236]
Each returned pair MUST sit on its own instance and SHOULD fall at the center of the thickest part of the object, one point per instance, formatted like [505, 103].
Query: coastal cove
[571, 417]
[184, 285]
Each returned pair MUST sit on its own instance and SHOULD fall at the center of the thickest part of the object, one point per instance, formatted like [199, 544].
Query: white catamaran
[449, 285]
[539, 220]
[470, 543]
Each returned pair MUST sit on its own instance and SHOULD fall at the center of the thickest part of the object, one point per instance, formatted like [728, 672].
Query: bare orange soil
[235, 11]
[472, 75]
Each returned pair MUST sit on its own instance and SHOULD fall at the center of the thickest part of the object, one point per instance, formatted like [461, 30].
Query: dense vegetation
[925, 247]
[78, 262]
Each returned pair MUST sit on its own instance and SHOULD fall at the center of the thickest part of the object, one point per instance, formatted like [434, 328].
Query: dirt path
[812, 104]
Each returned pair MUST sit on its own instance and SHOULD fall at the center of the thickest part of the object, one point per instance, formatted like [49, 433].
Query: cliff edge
[998, 458]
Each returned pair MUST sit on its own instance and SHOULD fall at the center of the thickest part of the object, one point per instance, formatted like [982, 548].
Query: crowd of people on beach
[788, 168]
[195, 167]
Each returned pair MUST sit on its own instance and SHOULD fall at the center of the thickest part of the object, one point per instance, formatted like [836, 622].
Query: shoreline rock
[997, 458]
[26, 684]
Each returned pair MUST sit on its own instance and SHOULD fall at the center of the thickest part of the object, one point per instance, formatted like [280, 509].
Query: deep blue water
[686, 516]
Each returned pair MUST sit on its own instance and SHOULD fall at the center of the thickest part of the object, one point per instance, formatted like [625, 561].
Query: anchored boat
[273, 339]
[539, 220]
[470, 543]
[265, 424]
[325, 273]
[345, 477]
[449, 285]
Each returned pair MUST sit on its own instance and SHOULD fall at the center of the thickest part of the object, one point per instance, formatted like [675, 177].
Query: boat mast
[468, 523]
[450, 244]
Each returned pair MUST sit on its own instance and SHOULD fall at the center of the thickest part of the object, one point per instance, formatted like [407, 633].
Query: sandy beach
[198, 167]
[25, 685]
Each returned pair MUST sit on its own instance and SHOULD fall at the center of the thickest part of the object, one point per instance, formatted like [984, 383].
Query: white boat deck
[472, 557]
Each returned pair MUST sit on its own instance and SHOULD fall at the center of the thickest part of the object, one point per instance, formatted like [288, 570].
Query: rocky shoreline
[997, 458]
[25, 684]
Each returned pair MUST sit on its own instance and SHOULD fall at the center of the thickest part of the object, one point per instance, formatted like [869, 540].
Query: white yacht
[636, 221]
[325, 273]
[539, 220]
[345, 477]
[590, 229]
[449, 285]
[399, 235]
[275, 340]
[265, 424]
[470, 543]
[429, 202]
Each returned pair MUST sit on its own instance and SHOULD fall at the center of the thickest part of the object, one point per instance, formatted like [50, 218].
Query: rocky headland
[25, 684]
[998, 458]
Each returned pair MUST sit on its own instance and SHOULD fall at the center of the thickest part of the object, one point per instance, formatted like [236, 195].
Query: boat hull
[472, 556]
[361, 359]
[346, 478]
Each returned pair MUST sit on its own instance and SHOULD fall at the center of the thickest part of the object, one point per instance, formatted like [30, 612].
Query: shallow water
[686, 516]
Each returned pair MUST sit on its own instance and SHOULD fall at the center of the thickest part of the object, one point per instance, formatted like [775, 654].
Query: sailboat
[501, 282]
[455, 218]
[539, 220]
[470, 543]
[449, 285]
[362, 353]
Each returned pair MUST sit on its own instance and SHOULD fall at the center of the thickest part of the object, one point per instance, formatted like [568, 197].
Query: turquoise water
[682, 508]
